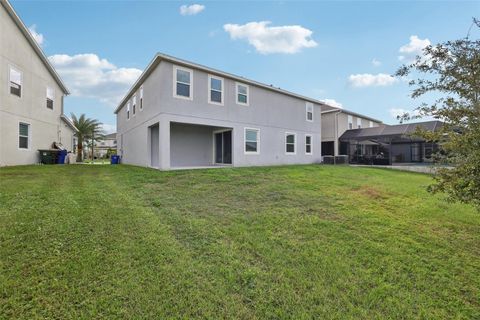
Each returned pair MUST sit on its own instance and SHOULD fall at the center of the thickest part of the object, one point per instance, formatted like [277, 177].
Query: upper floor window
[50, 97]
[359, 123]
[134, 104]
[23, 135]
[309, 111]
[242, 94]
[15, 79]
[215, 88]
[128, 110]
[308, 144]
[141, 98]
[290, 141]
[252, 140]
[371, 124]
[350, 122]
[183, 83]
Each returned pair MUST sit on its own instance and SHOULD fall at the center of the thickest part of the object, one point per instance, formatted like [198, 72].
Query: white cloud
[371, 80]
[39, 38]
[109, 128]
[86, 75]
[333, 103]
[376, 62]
[267, 39]
[413, 48]
[191, 10]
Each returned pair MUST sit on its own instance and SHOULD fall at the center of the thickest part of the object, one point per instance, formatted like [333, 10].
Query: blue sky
[342, 51]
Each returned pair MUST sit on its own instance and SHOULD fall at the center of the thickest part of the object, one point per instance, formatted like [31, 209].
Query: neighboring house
[181, 114]
[31, 95]
[335, 123]
[389, 144]
[102, 148]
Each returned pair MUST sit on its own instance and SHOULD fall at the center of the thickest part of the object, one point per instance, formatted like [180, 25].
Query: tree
[451, 72]
[86, 127]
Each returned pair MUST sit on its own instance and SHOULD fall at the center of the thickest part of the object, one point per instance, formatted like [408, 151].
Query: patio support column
[164, 134]
[390, 152]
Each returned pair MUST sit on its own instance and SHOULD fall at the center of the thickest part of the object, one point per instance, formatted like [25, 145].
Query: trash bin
[115, 159]
[61, 156]
[48, 156]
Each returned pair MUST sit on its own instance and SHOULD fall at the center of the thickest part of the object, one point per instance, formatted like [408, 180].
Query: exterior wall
[329, 127]
[46, 125]
[271, 112]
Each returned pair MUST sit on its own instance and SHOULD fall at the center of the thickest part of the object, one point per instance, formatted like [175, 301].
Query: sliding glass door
[223, 147]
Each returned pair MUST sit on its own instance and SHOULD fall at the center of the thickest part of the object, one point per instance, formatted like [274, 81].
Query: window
[308, 144]
[242, 94]
[309, 111]
[215, 89]
[252, 141]
[128, 110]
[50, 97]
[74, 144]
[141, 98]
[134, 104]
[350, 122]
[359, 123]
[183, 83]
[23, 135]
[290, 139]
[371, 124]
[15, 82]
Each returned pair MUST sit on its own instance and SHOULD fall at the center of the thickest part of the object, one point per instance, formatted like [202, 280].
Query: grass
[294, 242]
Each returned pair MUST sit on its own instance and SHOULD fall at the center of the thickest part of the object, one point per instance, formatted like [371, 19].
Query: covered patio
[387, 145]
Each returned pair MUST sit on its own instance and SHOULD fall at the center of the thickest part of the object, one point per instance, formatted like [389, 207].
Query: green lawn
[295, 242]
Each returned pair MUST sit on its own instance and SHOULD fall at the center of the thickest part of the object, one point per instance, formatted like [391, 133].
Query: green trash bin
[48, 156]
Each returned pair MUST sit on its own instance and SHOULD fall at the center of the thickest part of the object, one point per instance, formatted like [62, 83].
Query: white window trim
[10, 66]
[128, 111]
[141, 98]
[134, 104]
[350, 121]
[29, 136]
[370, 124]
[210, 77]
[236, 94]
[308, 105]
[311, 144]
[245, 140]
[175, 68]
[294, 143]
[53, 98]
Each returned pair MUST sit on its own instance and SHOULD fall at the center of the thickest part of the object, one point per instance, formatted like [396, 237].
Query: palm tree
[86, 129]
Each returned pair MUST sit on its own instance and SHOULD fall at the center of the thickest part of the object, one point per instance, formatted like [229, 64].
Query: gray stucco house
[182, 114]
[31, 95]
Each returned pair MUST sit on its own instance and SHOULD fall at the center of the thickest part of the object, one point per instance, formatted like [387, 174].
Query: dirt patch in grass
[372, 193]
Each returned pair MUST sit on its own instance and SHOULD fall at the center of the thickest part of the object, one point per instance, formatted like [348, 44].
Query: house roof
[33, 43]
[389, 130]
[68, 122]
[353, 114]
[161, 56]
[111, 136]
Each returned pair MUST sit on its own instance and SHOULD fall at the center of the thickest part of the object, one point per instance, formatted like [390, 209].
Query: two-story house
[182, 114]
[31, 95]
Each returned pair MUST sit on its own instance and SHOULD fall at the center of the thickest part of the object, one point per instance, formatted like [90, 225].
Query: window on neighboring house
[252, 140]
[290, 140]
[115, 142]
[183, 83]
[359, 123]
[215, 88]
[74, 144]
[370, 124]
[15, 82]
[242, 94]
[23, 135]
[128, 110]
[141, 98]
[308, 144]
[50, 97]
[350, 122]
[309, 111]
[134, 104]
